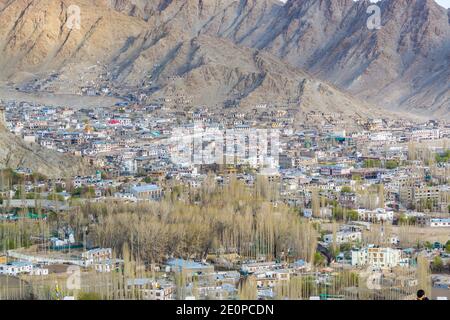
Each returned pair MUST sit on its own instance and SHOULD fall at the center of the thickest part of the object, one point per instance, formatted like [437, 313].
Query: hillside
[15, 153]
[405, 65]
[161, 58]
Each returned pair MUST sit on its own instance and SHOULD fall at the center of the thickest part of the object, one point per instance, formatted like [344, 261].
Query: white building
[377, 257]
[39, 272]
[160, 292]
[104, 266]
[378, 214]
[382, 136]
[259, 266]
[439, 223]
[15, 268]
[425, 134]
[96, 256]
[343, 237]
[147, 191]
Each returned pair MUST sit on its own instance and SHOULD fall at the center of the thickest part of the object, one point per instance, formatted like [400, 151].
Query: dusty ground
[73, 101]
[408, 234]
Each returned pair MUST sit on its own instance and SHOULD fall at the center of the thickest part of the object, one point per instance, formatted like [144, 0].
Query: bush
[346, 189]
[392, 164]
[89, 296]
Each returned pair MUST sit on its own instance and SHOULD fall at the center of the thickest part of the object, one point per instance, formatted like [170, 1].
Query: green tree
[371, 163]
[352, 215]
[447, 246]
[346, 189]
[149, 180]
[392, 164]
[428, 245]
[319, 260]
[77, 192]
[438, 264]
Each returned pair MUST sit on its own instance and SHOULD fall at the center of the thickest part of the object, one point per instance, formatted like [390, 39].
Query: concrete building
[343, 237]
[379, 214]
[377, 257]
[147, 192]
[16, 268]
[439, 223]
[96, 256]
[189, 267]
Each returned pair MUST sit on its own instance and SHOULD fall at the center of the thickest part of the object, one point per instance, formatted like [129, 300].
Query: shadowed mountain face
[405, 64]
[242, 52]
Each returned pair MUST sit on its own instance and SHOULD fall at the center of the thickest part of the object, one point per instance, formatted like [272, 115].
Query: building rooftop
[181, 263]
[145, 188]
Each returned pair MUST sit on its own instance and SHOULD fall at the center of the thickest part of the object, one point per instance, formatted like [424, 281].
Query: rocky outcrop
[15, 153]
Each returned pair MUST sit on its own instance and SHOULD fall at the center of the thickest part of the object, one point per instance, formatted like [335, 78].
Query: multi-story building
[377, 257]
[437, 223]
[425, 134]
[16, 268]
[379, 214]
[414, 195]
[148, 191]
[343, 237]
[96, 256]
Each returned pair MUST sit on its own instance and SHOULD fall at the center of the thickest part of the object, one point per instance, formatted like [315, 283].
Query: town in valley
[349, 209]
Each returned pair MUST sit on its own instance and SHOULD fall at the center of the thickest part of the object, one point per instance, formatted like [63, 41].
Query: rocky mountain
[403, 65]
[15, 153]
[237, 52]
[165, 56]
[406, 63]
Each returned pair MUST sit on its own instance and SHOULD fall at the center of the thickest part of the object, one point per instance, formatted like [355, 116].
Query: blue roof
[440, 220]
[299, 262]
[181, 263]
[19, 263]
[228, 287]
[145, 188]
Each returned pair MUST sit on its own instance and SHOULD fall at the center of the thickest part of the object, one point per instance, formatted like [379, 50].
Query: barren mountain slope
[405, 64]
[165, 56]
[14, 153]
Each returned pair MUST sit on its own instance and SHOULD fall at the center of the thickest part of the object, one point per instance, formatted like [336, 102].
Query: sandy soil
[63, 100]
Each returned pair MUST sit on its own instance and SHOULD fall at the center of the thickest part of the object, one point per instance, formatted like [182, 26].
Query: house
[96, 256]
[147, 191]
[189, 267]
[343, 237]
[440, 223]
[379, 214]
[348, 200]
[259, 267]
[270, 279]
[336, 170]
[56, 242]
[160, 291]
[16, 268]
[377, 257]
[152, 289]
[39, 272]
[222, 292]
[105, 266]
